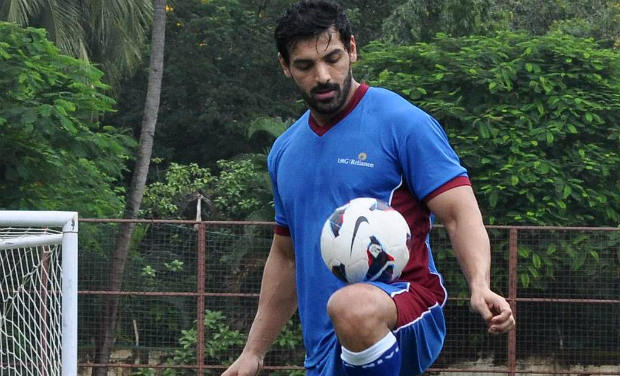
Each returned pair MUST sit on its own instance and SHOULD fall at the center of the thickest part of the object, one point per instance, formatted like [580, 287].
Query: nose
[322, 73]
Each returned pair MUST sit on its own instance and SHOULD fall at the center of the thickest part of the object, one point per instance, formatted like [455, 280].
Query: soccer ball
[365, 240]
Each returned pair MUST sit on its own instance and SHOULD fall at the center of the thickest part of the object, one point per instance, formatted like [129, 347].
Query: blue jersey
[381, 147]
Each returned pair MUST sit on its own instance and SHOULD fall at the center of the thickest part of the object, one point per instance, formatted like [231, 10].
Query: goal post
[38, 291]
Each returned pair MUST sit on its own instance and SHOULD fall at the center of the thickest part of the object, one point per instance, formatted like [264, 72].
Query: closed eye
[333, 57]
[303, 65]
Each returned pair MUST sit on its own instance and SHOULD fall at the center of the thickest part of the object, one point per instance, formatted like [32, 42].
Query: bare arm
[458, 211]
[277, 303]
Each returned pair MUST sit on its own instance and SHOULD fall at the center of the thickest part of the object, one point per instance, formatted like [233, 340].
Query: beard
[334, 104]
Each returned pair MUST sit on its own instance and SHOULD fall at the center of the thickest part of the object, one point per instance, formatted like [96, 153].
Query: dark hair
[310, 18]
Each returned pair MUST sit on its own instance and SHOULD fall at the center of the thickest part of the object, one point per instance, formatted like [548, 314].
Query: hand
[245, 365]
[494, 309]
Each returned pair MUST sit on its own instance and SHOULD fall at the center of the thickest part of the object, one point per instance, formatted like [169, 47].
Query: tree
[367, 16]
[533, 118]
[222, 73]
[110, 33]
[136, 190]
[237, 192]
[420, 20]
[56, 154]
[599, 19]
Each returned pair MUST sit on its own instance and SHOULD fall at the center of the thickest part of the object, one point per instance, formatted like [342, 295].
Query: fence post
[200, 301]
[512, 296]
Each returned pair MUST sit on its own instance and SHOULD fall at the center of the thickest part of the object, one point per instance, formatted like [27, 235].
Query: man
[364, 328]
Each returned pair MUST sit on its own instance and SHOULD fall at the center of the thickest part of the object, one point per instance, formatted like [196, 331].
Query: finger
[502, 316]
[483, 309]
[503, 321]
[501, 312]
[500, 307]
[503, 327]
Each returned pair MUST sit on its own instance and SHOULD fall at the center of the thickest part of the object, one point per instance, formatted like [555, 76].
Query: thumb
[479, 305]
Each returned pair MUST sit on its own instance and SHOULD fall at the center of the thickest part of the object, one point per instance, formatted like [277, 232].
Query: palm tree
[109, 33]
[109, 317]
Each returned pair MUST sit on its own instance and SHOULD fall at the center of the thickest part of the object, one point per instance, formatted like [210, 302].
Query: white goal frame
[69, 242]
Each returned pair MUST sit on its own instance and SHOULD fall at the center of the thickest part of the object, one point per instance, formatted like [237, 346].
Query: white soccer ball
[365, 240]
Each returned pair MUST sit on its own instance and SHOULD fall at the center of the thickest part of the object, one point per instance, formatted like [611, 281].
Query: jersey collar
[355, 99]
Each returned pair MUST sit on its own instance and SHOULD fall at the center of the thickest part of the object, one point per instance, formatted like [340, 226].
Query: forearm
[471, 245]
[458, 211]
[277, 302]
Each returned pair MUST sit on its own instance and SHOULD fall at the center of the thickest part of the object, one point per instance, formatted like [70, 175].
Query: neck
[322, 119]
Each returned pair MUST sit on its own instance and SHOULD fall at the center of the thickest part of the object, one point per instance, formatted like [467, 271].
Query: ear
[352, 50]
[284, 66]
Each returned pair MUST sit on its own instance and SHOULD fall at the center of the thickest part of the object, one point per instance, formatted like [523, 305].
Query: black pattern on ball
[378, 262]
[339, 271]
[335, 221]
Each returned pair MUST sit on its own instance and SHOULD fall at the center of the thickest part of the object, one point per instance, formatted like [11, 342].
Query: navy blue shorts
[420, 333]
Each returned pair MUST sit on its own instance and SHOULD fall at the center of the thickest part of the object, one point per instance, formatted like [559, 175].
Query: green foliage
[237, 188]
[415, 20]
[241, 190]
[221, 343]
[269, 127]
[112, 34]
[221, 72]
[180, 185]
[420, 20]
[143, 372]
[55, 152]
[534, 119]
[367, 16]
[162, 258]
[219, 338]
[592, 18]
[545, 265]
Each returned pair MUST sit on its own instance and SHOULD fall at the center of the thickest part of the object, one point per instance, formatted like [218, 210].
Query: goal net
[38, 293]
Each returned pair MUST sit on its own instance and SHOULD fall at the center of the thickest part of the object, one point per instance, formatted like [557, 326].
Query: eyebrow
[333, 53]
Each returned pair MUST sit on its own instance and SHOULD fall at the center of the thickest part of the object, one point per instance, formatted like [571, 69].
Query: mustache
[324, 87]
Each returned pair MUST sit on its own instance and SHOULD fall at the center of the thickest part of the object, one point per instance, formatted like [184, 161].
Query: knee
[358, 308]
[344, 306]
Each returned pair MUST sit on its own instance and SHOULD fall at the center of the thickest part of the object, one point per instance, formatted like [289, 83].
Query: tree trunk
[106, 336]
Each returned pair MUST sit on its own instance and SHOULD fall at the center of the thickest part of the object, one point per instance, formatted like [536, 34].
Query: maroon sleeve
[456, 182]
[281, 230]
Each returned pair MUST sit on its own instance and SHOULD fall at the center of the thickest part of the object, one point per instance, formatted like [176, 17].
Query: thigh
[420, 328]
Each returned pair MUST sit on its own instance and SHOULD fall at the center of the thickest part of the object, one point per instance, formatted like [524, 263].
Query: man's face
[321, 69]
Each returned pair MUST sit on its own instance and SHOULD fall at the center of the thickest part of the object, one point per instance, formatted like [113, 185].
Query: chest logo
[361, 161]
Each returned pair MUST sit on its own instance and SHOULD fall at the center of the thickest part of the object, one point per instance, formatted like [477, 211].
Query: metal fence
[190, 292]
